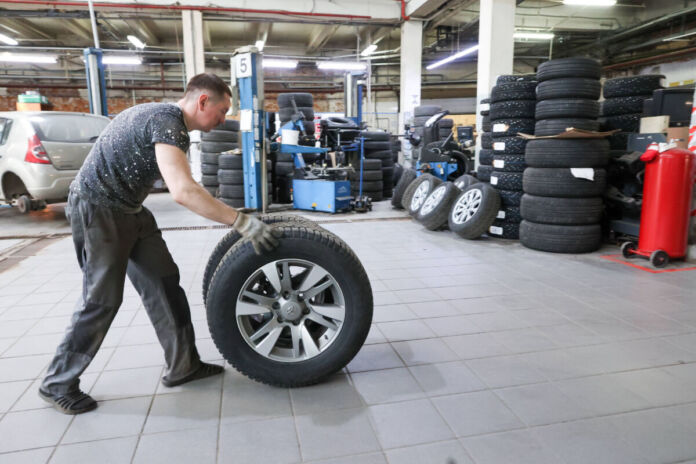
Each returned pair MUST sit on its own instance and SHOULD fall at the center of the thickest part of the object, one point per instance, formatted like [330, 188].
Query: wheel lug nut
[280, 319]
[276, 305]
[305, 311]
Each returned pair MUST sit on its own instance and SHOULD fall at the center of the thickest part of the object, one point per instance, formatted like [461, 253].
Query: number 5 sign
[243, 65]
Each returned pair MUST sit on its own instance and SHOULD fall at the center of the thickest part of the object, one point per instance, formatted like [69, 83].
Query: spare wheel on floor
[293, 316]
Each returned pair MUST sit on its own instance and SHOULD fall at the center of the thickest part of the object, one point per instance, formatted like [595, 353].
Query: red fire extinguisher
[664, 221]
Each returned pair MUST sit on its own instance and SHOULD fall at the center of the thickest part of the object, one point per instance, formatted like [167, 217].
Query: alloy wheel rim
[420, 195]
[466, 206]
[290, 310]
[433, 200]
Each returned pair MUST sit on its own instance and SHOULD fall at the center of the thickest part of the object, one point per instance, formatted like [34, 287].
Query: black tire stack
[283, 170]
[623, 102]
[485, 167]
[396, 149]
[512, 110]
[372, 185]
[378, 145]
[305, 105]
[231, 179]
[421, 114]
[222, 138]
[562, 205]
[444, 127]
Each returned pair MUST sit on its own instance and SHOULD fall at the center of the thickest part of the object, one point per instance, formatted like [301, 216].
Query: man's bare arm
[176, 172]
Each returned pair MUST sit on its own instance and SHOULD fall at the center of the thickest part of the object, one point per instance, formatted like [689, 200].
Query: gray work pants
[110, 245]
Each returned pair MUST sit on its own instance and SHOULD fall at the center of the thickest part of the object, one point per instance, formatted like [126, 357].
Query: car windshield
[76, 128]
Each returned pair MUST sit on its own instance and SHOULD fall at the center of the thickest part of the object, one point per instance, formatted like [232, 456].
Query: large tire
[557, 126]
[229, 125]
[569, 67]
[623, 105]
[370, 186]
[486, 140]
[465, 181]
[561, 239]
[473, 211]
[232, 190]
[209, 180]
[513, 109]
[385, 155]
[521, 90]
[367, 176]
[509, 163]
[633, 85]
[433, 214]
[567, 153]
[503, 228]
[503, 78]
[567, 108]
[346, 304]
[425, 184]
[512, 127]
[483, 173]
[231, 162]
[220, 136]
[377, 136]
[218, 147]
[209, 169]
[408, 176]
[506, 180]
[486, 157]
[624, 122]
[232, 237]
[560, 182]
[301, 100]
[509, 145]
[230, 176]
[398, 172]
[573, 87]
[569, 211]
[283, 168]
[510, 197]
[209, 158]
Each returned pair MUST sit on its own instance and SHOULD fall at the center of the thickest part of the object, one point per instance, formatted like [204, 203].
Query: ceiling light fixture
[260, 44]
[8, 40]
[28, 58]
[284, 64]
[136, 41]
[369, 50]
[590, 2]
[342, 65]
[534, 35]
[679, 36]
[466, 51]
[129, 60]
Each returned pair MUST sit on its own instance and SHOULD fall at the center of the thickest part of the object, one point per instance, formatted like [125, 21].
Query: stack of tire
[444, 127]
[283, 170]
[305, 105]
[512, 109]
[231, 179]
[222, 138]
[378, 145]
[421, 114]
[623, 102]
[562, 204]
[396, 149]
[485, 166]
[372, 184]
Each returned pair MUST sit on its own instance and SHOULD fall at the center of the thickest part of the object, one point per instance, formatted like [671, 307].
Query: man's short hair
[208, 82]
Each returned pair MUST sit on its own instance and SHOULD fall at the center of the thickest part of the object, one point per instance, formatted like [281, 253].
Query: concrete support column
[194, 60]
[496, 46]
[411, 54]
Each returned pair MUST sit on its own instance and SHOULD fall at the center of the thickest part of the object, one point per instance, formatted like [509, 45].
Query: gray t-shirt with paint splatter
[121, 168]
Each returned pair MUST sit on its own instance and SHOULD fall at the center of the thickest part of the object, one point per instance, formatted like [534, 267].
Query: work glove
[257, 232]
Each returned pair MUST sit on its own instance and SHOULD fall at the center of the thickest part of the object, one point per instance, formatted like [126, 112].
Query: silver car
[41, 153]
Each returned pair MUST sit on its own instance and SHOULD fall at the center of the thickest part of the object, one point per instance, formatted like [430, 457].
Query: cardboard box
[680, 135]
[654, 124]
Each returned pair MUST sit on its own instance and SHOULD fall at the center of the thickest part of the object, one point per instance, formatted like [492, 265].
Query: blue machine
[329, 196]
[437, 169]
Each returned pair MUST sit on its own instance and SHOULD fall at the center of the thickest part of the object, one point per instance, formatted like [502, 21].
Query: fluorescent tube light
[135, 41]
[590, 2]
[8, 40]
[285, 64]
[679, 36]
[342, 65]
[131, 60]
[260, 44]
[466, 51]
[369, 50]
[534, 35]
[28, 58]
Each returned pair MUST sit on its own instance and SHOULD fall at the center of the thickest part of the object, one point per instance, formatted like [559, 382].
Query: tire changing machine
[312, 191]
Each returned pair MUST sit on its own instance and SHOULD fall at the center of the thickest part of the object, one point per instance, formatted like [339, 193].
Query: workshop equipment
[669, 179]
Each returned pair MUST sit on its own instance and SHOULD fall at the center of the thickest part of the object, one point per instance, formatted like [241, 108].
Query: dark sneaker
[203, 371]
[75, 402]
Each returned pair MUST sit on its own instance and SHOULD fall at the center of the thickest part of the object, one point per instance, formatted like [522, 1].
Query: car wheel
[292, 316]
[474, 211]
[433, 214]
[24, 204]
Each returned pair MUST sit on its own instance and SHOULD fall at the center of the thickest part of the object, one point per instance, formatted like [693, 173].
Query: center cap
[291, 310]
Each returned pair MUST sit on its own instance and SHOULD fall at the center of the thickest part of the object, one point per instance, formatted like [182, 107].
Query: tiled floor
[480, 352]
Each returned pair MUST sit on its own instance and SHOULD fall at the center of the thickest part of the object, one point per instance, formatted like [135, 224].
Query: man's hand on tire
[257, 232]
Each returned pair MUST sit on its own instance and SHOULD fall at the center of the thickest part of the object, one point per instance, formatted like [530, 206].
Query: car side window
[5, 126]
